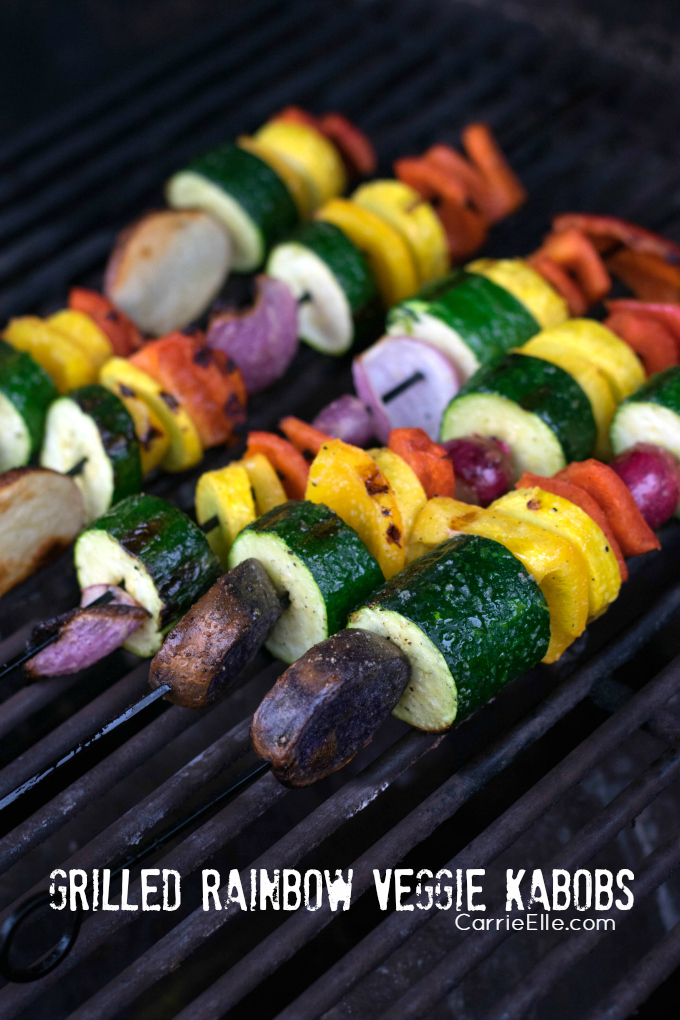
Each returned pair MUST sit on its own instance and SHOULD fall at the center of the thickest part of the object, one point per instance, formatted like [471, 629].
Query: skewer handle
[53, 957]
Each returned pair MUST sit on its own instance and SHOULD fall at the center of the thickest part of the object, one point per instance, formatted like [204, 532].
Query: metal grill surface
[554, 771]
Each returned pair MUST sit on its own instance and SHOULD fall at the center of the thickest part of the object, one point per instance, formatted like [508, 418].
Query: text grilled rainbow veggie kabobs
[166, 268]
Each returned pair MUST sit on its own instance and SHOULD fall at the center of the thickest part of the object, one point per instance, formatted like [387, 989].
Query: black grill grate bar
[187, 937]
[631, 992]
[146, 144]
[535, 985]
[372, 951]
[125, 87]
[135, 114]
[595, 835]
[112, 701]
[133, 826]
[357, 794]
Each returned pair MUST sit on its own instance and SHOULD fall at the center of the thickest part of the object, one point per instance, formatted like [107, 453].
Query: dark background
[53, 51]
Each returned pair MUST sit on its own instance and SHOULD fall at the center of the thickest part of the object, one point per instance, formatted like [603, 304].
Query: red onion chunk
[653, 476]
[483, 468]
[348, 419]
[86, 635]
[261, 340]
[406, 383]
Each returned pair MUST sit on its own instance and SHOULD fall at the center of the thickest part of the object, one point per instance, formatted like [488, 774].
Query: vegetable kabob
[155, 263]
[547, 552]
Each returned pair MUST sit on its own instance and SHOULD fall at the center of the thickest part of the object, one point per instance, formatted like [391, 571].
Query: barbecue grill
[552, 774]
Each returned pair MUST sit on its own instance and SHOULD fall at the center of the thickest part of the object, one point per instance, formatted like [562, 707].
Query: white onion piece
[348, 419]
[383, 368]
[261, 340]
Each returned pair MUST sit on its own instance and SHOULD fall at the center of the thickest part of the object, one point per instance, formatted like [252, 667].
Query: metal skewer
[53, 957]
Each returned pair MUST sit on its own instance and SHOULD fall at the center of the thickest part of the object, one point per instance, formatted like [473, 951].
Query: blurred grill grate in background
[551, 774]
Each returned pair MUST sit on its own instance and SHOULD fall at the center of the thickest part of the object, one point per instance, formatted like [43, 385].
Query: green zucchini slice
[330, 278]
[244, 194]
[469, 618]
[650, 415]
[320, 562]
[469, 317]
[26, 392]
[538, 409]
[153, 551]
[92, 425]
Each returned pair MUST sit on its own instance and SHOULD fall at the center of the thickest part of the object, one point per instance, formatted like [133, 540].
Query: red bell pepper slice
[669, 315]
[289, 464]
[560, 279]
[581, 498]
[125, 337]
[465, 228]
[305, 438]
[629, 526]
[577, 255]
[506, 192]
[608, 232]
[205, 381]
[651, 339]
[428, 460]
[355, 148]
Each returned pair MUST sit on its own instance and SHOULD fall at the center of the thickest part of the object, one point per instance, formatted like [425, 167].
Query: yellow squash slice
[408, 491]
[310, 151]
[301, 187]
[412, 217]
[184, 448]
[386, 250]
[84, 332]
[563, 518]
[266, 484]
[516, 276]
[349, 481]
[558, 566]
[590, 339]
[227, 495]
[60, 356]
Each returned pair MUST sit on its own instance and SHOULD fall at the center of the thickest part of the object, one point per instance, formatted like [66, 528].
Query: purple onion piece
[261, 340]
[406, 383]
[348, 419]
[483, 468]
[653, 476]
[85, 636]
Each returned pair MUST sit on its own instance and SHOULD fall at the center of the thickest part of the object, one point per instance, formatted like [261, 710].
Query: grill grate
[583, 134]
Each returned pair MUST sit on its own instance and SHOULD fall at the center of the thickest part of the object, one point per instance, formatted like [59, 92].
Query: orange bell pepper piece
[577, 255]
[289, 464]
[651, 339]
[505, 190]
[466, 229]
[559, 278]
[428, 460]
[125, 337]
[646, 262]
[629, 526]
[669, 315]
[575, 494]
[203, 380]
[305, 438]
